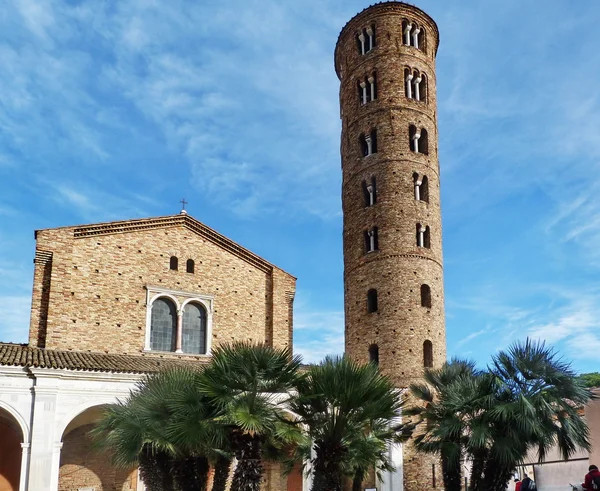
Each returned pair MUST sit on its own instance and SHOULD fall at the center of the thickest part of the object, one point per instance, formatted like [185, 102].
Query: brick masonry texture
[82, 466]
[398, 268]
[89, 289]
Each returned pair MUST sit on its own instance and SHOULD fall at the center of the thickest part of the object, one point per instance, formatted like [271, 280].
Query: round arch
[78, 411]
[205, 304]
[18, 419]
[165, 295]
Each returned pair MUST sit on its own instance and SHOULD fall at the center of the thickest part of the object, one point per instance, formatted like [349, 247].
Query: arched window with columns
[194, 329]
[163, 325]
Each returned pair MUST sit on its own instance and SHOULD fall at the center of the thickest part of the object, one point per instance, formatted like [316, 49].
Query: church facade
[112, 302]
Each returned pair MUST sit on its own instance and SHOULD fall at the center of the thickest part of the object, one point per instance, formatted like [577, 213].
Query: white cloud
[318, 334]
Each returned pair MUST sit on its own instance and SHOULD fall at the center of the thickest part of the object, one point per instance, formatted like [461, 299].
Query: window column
[363, 87]
[407, 34]
[416, 37]
[361, 38]
[371, 81]
[409, 78]
[416, 137]
[179, 333]
[417, 87]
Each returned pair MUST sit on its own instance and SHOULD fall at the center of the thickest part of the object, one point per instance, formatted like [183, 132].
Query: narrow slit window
[374, 354]
[428, 354]
[189, 266]
[174, 263]
[425, 296]
[372, 300]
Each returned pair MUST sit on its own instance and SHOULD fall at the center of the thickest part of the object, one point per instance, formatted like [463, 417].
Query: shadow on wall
[82, 466]
[10, 453]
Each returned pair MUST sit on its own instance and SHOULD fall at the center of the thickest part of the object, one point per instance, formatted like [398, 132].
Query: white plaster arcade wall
[44, 402]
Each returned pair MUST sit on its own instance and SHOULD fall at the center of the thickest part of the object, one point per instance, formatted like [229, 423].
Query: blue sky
[116, 110]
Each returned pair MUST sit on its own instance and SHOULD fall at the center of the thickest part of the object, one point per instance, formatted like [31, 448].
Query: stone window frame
[180, 299]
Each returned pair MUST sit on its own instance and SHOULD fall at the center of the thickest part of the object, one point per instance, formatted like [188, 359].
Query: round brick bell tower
[393, 271]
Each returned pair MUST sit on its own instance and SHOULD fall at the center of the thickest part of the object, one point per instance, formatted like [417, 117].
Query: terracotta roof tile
[28, 356]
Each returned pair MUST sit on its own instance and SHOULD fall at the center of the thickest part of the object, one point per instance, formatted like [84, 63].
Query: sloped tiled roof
[28, 356]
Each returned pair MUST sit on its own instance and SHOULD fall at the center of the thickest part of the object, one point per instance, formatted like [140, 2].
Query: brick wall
[82, 466]
[94, 296]
[400, 326]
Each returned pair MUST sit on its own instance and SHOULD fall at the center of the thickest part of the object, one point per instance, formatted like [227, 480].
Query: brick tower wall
[400, 326]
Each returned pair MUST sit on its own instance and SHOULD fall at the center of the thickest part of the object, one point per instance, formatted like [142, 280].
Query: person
[593, 476]
[517, 484]
[526, 483]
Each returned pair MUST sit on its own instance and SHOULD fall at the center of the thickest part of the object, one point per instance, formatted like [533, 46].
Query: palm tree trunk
[496, 476]
[451, 473]
[479, 460]
[155, 470]
[248, 471]
[357, 481]
[327, 471]
[222, 467]
[190, 474]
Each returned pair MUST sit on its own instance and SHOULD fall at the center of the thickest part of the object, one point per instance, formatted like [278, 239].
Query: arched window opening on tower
[421, 40]
[413, 35]
[422, 88]
[427, 354]
[367, 89]
[414, 136]
[372, 300]
[423, 236]
[425, 296]
[374, 354]
[366, 40]
[419, 139]
[371, 241]
[368, 143]
[174, 263]
[406, 30]
[421, 188]
[362, 92]
[163, 325]
[372, 79]
[189, 266]
[194, 329]
[417, 79]
[370, 191]
[424, 142]
[408, 83]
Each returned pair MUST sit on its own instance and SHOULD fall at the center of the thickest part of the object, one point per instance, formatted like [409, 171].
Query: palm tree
[440, 421]
[249, 384]
[337, 400]
[143, 429]
[537, 405]
[369, 451]
[528, 398]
